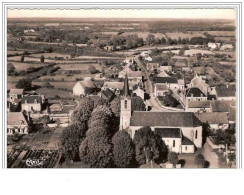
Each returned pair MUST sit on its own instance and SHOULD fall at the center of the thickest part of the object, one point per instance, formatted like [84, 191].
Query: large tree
[70, 139]
[83, 112]
[96, 149]
[173, 158]
[10, 69]
[137, 104]
[123, 149]
[149, 146]
[24, 83]
[115, 106]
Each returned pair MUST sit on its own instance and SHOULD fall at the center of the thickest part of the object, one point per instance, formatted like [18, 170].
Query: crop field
[228, 63]
[51, 55]
[13, 52]
[77, 66]
[222, 33]
[24, 66]
[176, 35]
[145, 34]
[52, 92]
[225, 39]
[195, 51]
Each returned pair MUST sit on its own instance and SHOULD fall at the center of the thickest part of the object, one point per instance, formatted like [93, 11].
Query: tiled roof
[134, 74]
[221, 106]
[16, 118]
[199, 104]
[186, 141]
[16, 91]
[168, 132]
[31, 99]
[165, 119]
[225, 91]
[87, 83]
[232, 114]
[166, 80]
[195, 91]
[161, 87]
[214, 118]
[113, 85]
[107, 94]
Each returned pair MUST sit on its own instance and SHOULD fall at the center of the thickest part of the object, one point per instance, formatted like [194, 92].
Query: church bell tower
[125, 110]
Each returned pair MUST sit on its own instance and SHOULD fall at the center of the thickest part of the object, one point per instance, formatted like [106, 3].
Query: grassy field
[51, 55]
[176, 35]
[24, 66]
[51, 93]
[195, 51]
[222, 33]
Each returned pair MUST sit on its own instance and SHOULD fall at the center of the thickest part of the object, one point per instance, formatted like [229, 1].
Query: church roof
[165, 119]
[168, 132]
[126, 91]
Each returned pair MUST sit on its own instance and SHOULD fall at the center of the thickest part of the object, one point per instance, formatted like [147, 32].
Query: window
[125, 104]
[173, 143]
[185, 147]
[196, 135]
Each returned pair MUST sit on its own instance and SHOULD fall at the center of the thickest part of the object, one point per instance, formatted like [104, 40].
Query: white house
[80, 87]
[16, 123]
[32, 103]
[170, 82]
[226, 47]
[214, 45]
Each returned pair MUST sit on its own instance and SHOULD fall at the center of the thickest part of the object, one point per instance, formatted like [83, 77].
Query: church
[181, 131]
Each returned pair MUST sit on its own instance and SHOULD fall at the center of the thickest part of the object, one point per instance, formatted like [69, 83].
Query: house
[171, 82]
[148, 58]
[17, 123]
[214, 45]
[152, 65]
[81, 87]
[226, 47]
[107, 94]
[216, 120]
[137, 90]
[132, 75]
[116, 86]
[227, 92]
[221, 105]
[29, 31]
[162, 74]
[198, 106]
[15, 94]
[165, 68]
[198, 81]
[194, 94]
[109, 48]
[175, 141]
[32, 103]
[189, 124]
[160, 89]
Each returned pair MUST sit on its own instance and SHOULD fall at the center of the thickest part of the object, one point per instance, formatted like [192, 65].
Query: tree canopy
[137, 104]
[24, 83]
[123, 149]
[149, 146]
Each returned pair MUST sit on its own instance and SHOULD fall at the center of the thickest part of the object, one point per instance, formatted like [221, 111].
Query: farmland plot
[222, 33]
[24, 66]
[181, 35]
[144, 35]
[192, 52]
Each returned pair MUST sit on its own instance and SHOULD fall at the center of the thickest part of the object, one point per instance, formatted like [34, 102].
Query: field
[195, 51]
[176, 35]
[24, 66]
[144, 35]
[222, 33]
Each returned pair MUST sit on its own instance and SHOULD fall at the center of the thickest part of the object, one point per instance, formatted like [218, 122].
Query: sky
[125, 13]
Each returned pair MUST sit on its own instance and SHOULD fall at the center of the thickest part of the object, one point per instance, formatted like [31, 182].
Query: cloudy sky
[125, 13]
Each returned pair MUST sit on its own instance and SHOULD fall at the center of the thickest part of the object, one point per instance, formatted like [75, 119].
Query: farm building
[227, 92]
[16, 123]
[81, 87]
[160, 89]
[170, 82]
[198, 81]
[216, 120]
[194, 94]
[198, 106]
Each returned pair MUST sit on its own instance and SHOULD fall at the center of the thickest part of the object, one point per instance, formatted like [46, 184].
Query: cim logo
[34, 162]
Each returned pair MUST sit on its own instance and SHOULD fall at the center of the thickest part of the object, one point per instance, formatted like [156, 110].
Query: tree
[148, 146]
[83, 112]
[181, 52]
[115, 106]
[200, 161]
[70, 140]
[92, 70]
[173, 158]
[42, 59]
[150, 39]
[96, 149]
[123, 149]
[47, 85]
[10, 69]
[137, 104]
[22, 58]
[199, 56]
[24, 83]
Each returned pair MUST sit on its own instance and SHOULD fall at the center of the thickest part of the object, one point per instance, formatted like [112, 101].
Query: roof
[195, 91]
[162, 74]
[166, 80]
[214, 118]
[126, 91]
[32, 99]
[16, 91]
[199, 104]
[186, 141]
[198, 82]
[226, 91]
[181, 82]
[113, 85]
[211, 97]
[161, 87]
[134, 74]
[15, 118]
[87, 83]
[232, 114]
[107, 94]
[168, 132]
[221, 106]
[165, 119]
